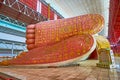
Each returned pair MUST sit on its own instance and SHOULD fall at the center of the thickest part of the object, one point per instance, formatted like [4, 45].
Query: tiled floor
[67, 73]
[86, 71]
[83, 72]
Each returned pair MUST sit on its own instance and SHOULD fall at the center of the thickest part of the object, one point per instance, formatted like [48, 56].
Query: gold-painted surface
[102, 42]
[103, 50]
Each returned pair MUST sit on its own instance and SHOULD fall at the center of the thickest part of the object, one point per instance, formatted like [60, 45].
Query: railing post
[12, 49]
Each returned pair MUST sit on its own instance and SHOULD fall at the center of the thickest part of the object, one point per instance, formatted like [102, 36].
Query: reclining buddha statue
[60, 42]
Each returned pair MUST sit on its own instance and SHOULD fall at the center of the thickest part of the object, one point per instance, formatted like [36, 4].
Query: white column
[55, 16]
[38, 6]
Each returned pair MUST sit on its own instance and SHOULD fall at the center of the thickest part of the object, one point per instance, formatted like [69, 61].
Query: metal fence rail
[22, 8]
[5, 18]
